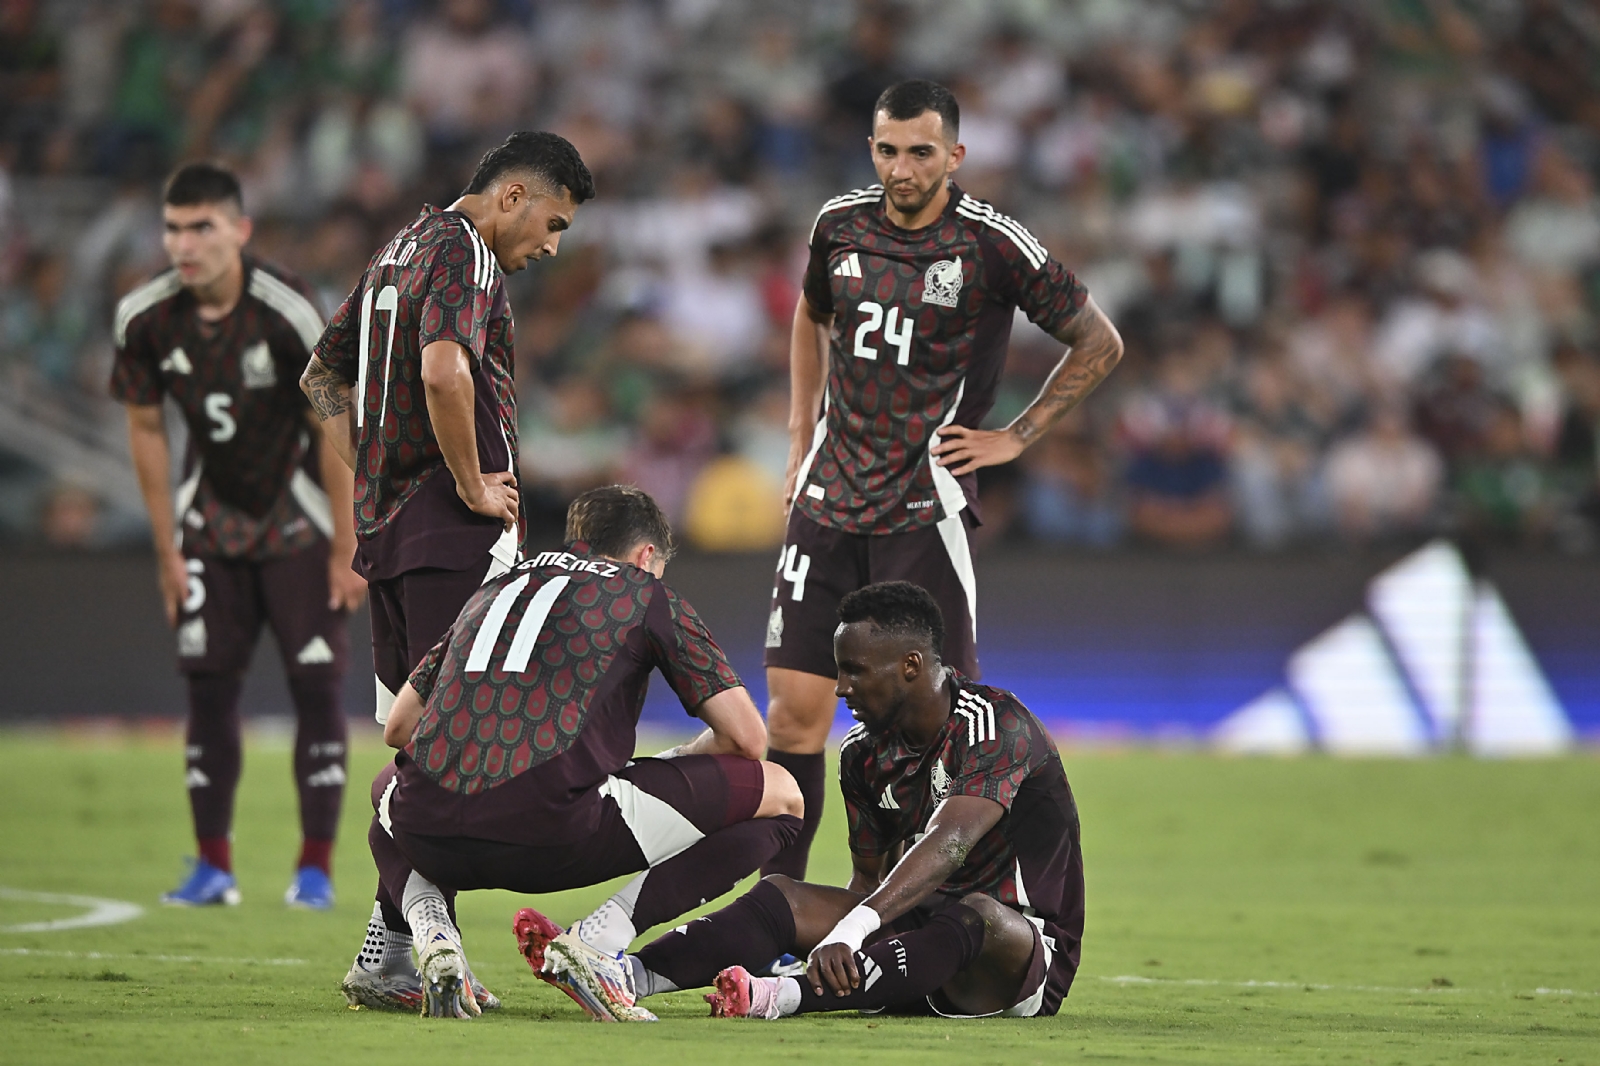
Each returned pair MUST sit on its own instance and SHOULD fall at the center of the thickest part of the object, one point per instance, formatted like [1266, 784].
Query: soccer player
[517, 772]
[259, 530]
[967, 892]
[898, 342]
[413, 384]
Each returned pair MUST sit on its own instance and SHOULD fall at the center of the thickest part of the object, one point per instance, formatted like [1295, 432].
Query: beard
[916, 201]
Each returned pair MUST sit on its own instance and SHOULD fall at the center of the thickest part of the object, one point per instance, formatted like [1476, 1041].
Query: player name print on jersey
[921, 323]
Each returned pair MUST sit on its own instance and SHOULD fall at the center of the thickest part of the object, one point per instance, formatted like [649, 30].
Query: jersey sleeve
[866, 833]
[685, 652]
[426, 674]
[136, 368]
[340, 346]
[998, 755]
[458, 303]
[818, 284]
[1036, 281]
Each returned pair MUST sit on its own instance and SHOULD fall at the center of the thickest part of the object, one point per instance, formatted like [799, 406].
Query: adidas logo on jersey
[259, 371]
[849, 267]
[315, 651]
[177, 362]
[888, 802]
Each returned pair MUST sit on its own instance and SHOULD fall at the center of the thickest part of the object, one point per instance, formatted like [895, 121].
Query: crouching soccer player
[516, 771]
[967, 894]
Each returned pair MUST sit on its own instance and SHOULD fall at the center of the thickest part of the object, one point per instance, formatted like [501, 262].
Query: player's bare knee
[990, 911]
[780, 793]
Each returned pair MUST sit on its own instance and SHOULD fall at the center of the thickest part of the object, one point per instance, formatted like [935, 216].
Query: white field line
[1132, 979]
[99, 911]
[99, 955]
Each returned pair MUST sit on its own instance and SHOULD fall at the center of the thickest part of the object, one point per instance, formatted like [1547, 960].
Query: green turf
[1240, 911]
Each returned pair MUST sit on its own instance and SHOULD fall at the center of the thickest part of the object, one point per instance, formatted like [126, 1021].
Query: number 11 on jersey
[897, 330]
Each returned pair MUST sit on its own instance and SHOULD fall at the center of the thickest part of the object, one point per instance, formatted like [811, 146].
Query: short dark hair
[615, 519]
[548, 156]
[897, 607]
[203, 183]
[909, 99]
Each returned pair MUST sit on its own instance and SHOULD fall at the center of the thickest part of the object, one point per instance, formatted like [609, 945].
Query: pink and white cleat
[739, 994]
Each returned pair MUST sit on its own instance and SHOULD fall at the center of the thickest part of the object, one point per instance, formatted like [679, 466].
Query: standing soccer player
[898, 343]
[412, 381]
[260, 528]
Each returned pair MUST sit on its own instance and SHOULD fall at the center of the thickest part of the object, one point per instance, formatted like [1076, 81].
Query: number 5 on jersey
[897, 330]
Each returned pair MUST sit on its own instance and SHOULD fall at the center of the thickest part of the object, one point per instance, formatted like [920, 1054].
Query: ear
[957, 154]
[512, 195]
[247, 226]
[911, 666]
[642, 556]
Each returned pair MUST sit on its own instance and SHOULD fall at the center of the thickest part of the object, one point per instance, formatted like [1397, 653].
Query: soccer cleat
[311, 890]
[599, 983]
[446, 980]
[207, 886]
[377, 990]
[740, 995]
[782, 966]
[486, 999]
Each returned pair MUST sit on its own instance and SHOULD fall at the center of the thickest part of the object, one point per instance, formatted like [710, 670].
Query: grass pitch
[1240, 911]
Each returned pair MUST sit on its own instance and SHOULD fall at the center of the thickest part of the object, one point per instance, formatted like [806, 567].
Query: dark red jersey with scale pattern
[992, 747]
[921, 322]
[436, 280]
[251, 489]
[534, 695]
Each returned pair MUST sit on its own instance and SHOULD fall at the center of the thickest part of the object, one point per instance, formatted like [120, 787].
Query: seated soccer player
[516, 770]
[967, 892]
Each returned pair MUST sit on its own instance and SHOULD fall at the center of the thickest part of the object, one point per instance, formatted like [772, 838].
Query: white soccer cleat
[446, 978]
[382, 977]
[599, 983]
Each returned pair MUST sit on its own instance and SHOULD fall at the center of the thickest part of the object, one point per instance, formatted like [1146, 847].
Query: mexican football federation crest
[775, 628]
[942, 283]
[259, 371]
[939, 781]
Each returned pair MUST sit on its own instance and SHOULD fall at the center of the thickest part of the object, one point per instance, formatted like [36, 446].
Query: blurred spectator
[1177, 475]
[467, 73]
[1384, 480]
[1443, 319]
[69, 517]
[676, 438]
[1455, 407]
[42, 326]
[1277, 490]
[1503, 490]
[1069, 491]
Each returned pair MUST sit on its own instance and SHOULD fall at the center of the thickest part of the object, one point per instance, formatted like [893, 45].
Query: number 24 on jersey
[897, 330]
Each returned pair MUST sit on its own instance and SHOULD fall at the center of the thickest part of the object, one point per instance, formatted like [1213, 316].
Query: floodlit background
[1354, 249]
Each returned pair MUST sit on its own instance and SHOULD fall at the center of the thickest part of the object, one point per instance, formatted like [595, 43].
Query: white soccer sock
[425, 909]
[788, 996]
[608, 929]
[648, 982]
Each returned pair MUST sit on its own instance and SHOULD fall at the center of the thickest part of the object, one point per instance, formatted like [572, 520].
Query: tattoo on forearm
[328, 393]
[1085, 365]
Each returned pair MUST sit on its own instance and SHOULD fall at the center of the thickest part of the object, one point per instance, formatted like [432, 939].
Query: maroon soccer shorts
[220, 618]
[411, 612]
[819, 566]
[650, 811]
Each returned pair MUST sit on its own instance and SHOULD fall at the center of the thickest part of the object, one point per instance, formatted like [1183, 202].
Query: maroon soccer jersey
[251, 486]
[995, 748]
[534, 695]
[435, 281]
[921, 321]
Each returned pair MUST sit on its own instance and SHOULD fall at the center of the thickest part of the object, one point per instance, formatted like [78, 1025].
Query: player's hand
[962, 450]
[173, 574]
[494, 495]
[833, 965]
[346, 588]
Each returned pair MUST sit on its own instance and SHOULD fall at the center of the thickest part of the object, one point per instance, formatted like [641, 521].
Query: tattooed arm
[330, 402]
[1093, 349]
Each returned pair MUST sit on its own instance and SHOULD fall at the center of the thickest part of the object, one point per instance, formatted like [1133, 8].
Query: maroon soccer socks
[811, 774]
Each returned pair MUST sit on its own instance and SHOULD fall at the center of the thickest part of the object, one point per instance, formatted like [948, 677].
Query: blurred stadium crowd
[1353, 247]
